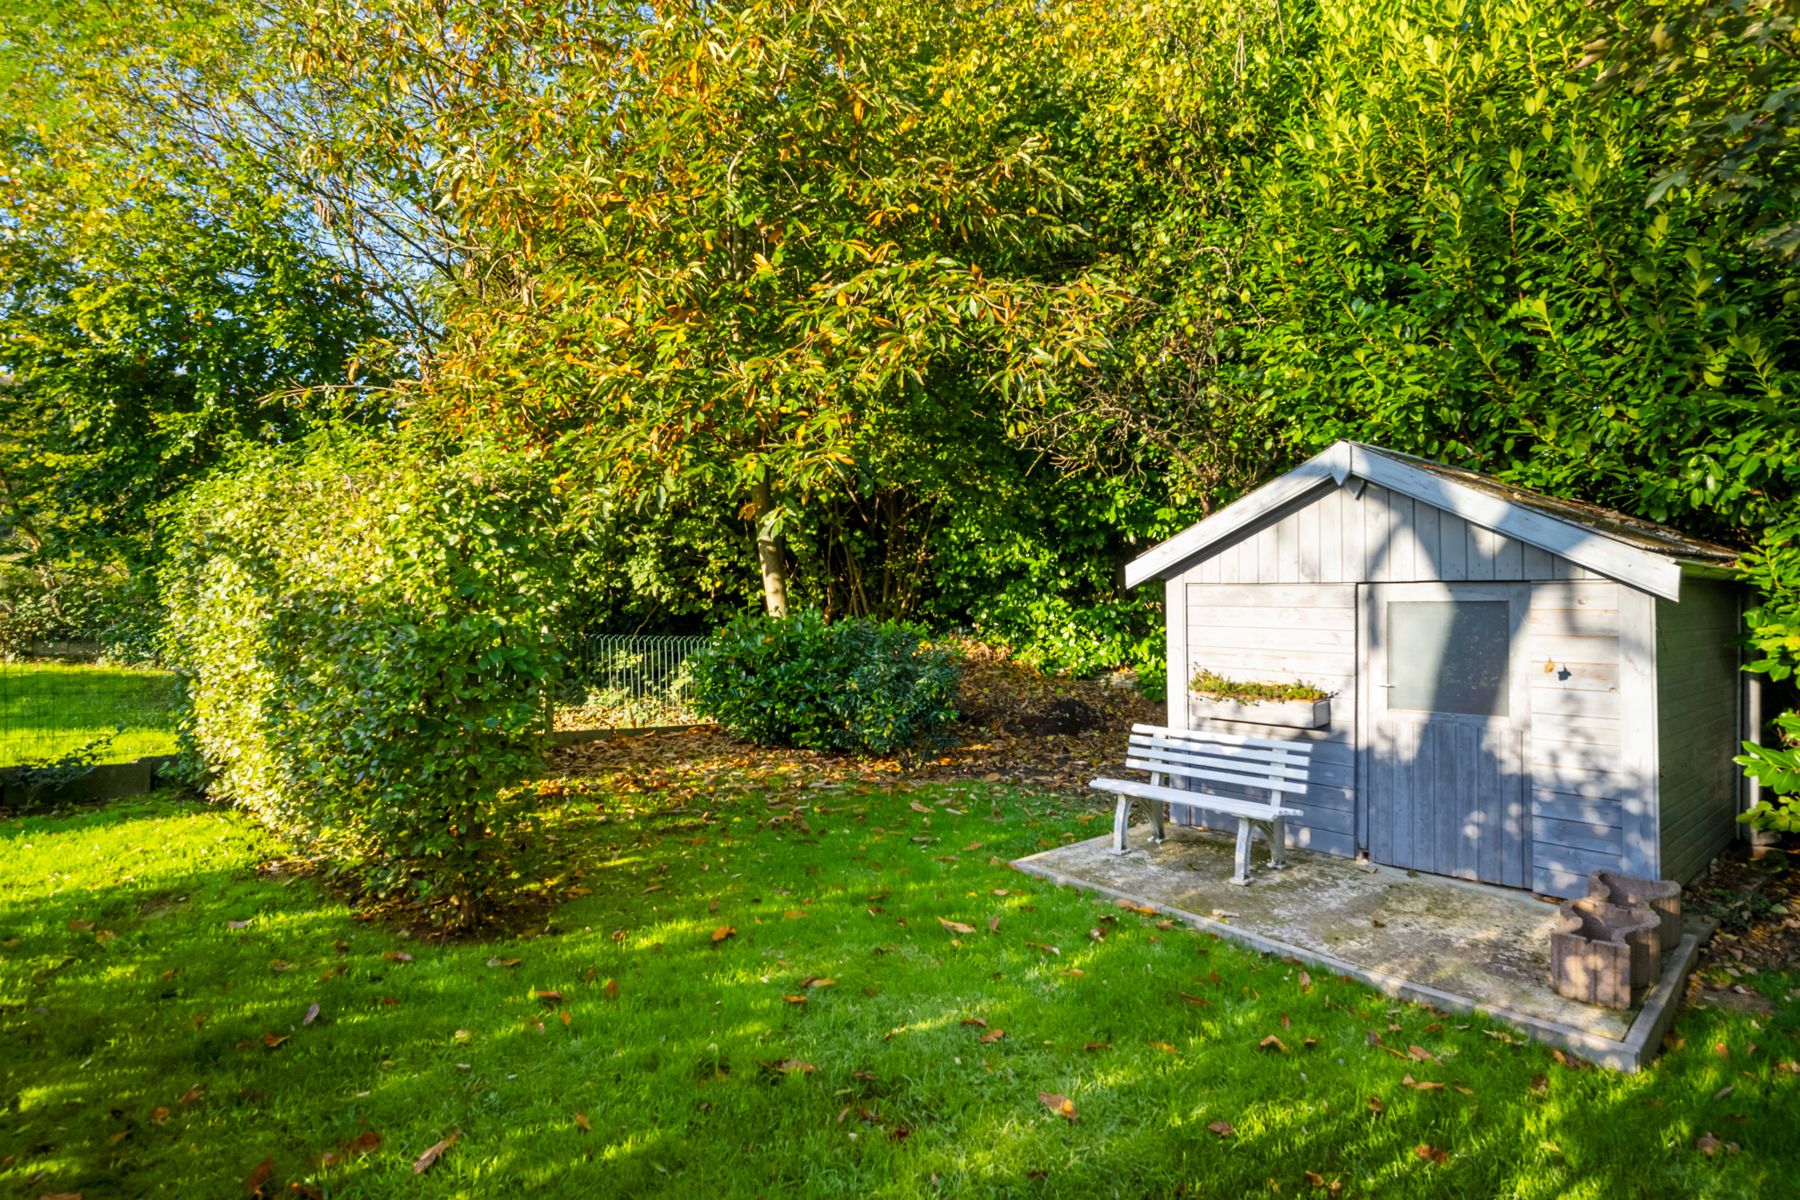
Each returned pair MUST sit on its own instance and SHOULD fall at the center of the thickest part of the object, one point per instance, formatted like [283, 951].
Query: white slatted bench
[1195, 758]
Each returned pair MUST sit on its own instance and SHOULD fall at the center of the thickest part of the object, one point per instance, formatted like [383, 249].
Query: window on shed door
[1449, 656]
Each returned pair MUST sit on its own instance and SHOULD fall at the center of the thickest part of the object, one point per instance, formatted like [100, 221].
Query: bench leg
[1157, 833]
[1121, 822]
[1277, 843]
[1242, 878]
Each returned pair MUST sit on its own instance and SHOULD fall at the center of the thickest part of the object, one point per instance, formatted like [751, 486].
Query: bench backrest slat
[1212, 776]
[1248, 760]
[1227, 739]
[1179, 760]
[1266, 764]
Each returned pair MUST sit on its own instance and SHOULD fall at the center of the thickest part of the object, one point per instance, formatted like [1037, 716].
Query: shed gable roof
[1634, 552]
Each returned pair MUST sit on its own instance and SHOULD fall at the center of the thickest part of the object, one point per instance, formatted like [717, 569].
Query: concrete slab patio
[1462, 947]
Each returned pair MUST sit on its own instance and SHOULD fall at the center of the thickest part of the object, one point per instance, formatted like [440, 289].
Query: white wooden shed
[1523, 689]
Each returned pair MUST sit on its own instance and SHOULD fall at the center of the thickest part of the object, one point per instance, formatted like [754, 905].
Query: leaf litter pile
[1016, 725]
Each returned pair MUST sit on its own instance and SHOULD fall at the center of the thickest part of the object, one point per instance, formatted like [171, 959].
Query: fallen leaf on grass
[1376, 1106]
[549, 999]
[504, 962]
[272, 1040]
[1045, 947]
[993, 1035]
[429, 1159]
[1096, 1046]
[993, 924]
[1163, 1046]
[158, 1115]
[397, 956]
[815, 981]
[1222, 1128]
[1420, 1054]
[190, 1097]
[1305, 982]
[362, 1143]
[582, 1123]
[1199, 1001]
[1273, 1043]
[795, 999]
[1059, 1104]
[955, 926]
[258, 1176]
[1431, 1154]
[312, 1014]
[1540, 1084]
[787, 1066]
[611, 989]
[974, 1021]
[80, 926]
[1134, 906]
[1421, 1085]
[917, 807]
[723, 932]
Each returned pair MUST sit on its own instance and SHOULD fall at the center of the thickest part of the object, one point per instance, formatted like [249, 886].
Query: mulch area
[1754, 894]
[1017, 726]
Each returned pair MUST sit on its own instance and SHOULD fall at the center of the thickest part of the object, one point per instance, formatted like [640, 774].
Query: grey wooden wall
[1280, 603]
[1697, 723]
[1379, 537]
[1587, 794]
[1288, 633]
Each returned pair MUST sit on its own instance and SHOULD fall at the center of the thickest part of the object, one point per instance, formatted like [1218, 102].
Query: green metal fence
[626, 681]
[51, 708]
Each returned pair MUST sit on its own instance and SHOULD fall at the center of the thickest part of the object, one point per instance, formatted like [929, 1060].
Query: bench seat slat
[1297, 747]
[1237, 778]
[1238, 808]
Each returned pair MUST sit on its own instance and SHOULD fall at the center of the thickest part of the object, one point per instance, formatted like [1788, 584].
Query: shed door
[1445, 717]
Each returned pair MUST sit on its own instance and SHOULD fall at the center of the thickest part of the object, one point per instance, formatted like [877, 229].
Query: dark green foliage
[860, 685]
[362, 628]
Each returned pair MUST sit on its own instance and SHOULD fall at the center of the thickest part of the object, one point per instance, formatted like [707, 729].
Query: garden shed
[1520, 689]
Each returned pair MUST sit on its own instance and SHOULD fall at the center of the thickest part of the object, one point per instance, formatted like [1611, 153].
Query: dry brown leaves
[1017, 726]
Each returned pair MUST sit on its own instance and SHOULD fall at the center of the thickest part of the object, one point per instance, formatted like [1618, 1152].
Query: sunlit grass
[690, 1076]
[50, 709]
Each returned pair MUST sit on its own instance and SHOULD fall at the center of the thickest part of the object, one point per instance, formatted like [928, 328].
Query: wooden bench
[1186, 756]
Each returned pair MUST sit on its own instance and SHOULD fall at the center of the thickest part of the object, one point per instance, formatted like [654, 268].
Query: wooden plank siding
[1334, 536]
[1292, 632]
[1633, 700]
[1697, 724]
[1580, 784]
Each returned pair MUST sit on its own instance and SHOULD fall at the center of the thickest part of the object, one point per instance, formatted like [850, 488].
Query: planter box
[1662, 896]
[1599, 951]
[1294, 714]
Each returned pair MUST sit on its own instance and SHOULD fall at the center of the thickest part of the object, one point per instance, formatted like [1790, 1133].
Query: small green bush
[867, 686]
[361, 629]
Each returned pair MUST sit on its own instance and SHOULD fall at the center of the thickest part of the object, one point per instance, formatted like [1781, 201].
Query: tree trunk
[768, 550]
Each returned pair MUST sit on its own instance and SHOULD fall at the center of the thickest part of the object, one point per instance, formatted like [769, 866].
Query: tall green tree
[719, 245]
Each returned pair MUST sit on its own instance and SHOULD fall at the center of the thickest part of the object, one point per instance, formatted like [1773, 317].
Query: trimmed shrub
[361, 628]
[867, 686]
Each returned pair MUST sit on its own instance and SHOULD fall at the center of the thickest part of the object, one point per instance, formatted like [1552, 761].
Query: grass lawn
[49, 709]
[759, 991]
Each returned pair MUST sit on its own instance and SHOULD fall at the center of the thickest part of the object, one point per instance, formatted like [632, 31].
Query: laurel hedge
[362, 629]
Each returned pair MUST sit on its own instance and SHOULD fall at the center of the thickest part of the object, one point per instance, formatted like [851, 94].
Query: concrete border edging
[1629, 1055]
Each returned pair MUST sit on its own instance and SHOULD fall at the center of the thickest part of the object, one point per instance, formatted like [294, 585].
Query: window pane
[1449, 656]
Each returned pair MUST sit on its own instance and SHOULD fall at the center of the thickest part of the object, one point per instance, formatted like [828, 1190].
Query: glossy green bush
[859, 685]
[361, 628]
